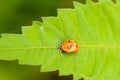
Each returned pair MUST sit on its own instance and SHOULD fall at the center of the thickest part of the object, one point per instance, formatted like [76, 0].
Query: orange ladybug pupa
[69, 46]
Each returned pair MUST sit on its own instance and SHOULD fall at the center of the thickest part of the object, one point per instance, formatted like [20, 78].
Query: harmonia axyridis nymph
[69, 46]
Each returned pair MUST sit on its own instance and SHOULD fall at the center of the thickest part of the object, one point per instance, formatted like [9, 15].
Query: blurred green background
[17, 13]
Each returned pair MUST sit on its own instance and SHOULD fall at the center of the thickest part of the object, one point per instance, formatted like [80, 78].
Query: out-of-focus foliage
[16, 13]
[11, 70]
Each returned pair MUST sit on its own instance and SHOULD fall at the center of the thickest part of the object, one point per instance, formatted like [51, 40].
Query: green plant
[94, 25]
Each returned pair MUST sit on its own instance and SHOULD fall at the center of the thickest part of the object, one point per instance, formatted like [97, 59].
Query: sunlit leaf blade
[94, 26]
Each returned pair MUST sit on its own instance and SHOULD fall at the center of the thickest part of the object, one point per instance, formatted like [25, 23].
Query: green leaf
[95, 27]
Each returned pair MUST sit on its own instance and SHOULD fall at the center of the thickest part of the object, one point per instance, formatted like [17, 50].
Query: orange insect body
[69, 46]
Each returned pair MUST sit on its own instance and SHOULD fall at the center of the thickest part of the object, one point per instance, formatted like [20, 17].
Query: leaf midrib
[52, 47]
